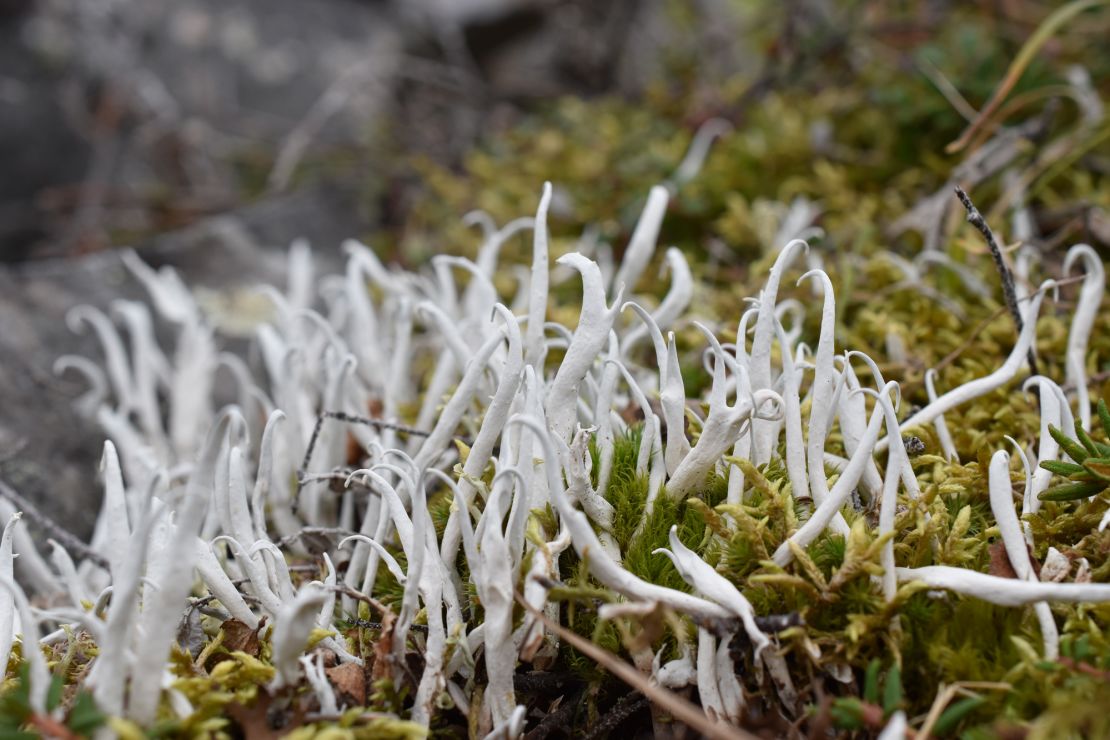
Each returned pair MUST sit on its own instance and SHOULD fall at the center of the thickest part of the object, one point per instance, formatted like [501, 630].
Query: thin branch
[626, 706]
[954, 354]
[369, 624]
[302, 472]
[69, 540]
[680, 708]
[559, 719]
[1008, 292]
[947, 89]
[359, 596]
[334, 99]
[314, 532]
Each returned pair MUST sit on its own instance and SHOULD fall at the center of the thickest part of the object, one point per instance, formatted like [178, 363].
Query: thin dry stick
[314, 532]
[682, 710]
[68, 540]
[626, 706]
[349, 419]
[1008, 292]
[334, 99]
[947, 89]
[557, 719]
[951, 356]
[359, 596]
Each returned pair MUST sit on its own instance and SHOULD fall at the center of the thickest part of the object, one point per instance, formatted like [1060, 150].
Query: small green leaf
[1081, 649]
[1060, 467]
[1085, 439]
[1104, 416]
[1071, 491]
[1075, 450]
[847, 714]
[871, 682]
[955, 713]
[16, 703]
[84, 717]
[54, 693]
[892, 690]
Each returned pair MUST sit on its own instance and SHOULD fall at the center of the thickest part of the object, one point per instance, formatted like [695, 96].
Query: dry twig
[1008, 292]
[68, 540]
[680, 708]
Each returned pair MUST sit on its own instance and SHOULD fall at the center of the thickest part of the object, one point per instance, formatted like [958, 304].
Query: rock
[133, 117]
[47, 451]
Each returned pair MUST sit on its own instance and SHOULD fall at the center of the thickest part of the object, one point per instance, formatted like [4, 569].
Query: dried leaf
[240, 637]
[383, 648]
[264, 719]
[349, 681]
[1000, 561]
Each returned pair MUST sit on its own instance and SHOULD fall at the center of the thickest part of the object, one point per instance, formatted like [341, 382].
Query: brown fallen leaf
[239, 637]
[1001, 565]
[349, 681]
[265, 719]
[383, 648]
[1000, 561]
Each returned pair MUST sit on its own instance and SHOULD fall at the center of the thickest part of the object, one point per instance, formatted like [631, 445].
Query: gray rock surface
[154, 121]
[47, 451]
[133, 117]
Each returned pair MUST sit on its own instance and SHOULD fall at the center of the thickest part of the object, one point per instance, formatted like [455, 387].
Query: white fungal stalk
[356, 426]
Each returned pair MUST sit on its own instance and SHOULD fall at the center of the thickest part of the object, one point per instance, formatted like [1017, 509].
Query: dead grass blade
[1044, 32]
[682, 710]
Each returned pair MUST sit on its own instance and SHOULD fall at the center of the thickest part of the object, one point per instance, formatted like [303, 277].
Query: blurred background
[123, 120]
[209, 134]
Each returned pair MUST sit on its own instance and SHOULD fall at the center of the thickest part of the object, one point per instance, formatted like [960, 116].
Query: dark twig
[346, 590]
[679, 707]
[349, 419]
[560, 719]
[625, 707]
[533, 682]
[775, 623]
[314, 532]
[67, 539]
[369, 624]
[970, 340]
[303, 478]
[1008, 292]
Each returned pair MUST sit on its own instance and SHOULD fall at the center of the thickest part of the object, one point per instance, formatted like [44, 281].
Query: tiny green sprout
[871, 682]
[1089, 475]
[893, 698]
[955, 713]
[848, 713]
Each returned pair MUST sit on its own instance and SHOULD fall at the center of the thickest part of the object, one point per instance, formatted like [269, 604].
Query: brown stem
[1008, 292]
